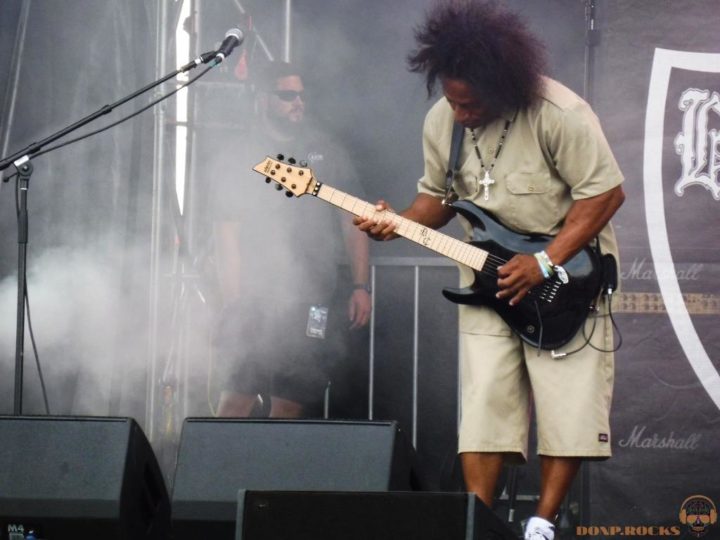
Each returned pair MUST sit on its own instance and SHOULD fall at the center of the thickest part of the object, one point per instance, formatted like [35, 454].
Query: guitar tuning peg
[292, 161]
[278, 187]
[280, 157]
[303, 163]
[268, 179]
[288, 194]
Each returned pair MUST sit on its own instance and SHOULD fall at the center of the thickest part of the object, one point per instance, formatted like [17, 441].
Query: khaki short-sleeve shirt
[554, 153]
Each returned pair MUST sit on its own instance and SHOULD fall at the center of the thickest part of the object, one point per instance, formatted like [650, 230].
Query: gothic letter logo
[696, 145]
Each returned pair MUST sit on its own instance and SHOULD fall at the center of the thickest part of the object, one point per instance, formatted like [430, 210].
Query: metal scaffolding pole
[158, 218]
[287, 44]
[14, 77]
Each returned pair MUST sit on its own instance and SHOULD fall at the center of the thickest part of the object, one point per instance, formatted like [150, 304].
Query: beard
[290, 125]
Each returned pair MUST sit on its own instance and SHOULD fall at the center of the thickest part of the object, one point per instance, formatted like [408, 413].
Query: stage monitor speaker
[79, 478]
[218, 457]
[280, 515]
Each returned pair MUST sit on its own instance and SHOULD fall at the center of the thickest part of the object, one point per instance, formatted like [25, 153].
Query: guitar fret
[439, 242]
[444, 246]
[459, 253]
[453, 250]
[478, 259]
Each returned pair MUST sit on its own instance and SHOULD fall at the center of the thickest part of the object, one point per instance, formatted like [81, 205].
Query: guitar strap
[455, 145]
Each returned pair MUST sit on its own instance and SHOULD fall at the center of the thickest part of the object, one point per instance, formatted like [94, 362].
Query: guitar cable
[559, 355]
[609, 285]
[540, 324]
[610, 279]
[615, 327]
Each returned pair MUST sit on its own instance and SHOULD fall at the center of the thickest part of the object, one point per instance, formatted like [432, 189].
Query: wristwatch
[363, 286]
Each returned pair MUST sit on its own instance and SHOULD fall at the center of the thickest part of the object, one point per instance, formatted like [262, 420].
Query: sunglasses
[288, 95]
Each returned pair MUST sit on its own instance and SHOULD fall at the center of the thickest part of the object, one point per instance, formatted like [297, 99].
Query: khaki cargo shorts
[502, 379]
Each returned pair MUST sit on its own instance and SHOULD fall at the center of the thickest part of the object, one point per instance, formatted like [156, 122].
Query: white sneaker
[539, 529]
[539, 534]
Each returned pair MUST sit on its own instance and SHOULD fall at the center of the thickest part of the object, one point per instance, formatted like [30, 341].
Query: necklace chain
[487, 181]
[497, 152]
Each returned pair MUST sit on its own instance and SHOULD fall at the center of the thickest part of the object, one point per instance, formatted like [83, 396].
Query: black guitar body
[549, 316]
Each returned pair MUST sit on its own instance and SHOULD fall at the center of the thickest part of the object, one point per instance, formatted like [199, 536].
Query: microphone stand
[24, 167]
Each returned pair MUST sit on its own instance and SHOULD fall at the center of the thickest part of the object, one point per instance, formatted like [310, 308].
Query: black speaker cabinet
[281, 515]
[79, 478]
[219, 457]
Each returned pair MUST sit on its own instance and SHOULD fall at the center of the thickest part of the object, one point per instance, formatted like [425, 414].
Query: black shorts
[269, 352]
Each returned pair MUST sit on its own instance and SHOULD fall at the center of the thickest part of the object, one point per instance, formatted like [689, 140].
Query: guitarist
[534, 155]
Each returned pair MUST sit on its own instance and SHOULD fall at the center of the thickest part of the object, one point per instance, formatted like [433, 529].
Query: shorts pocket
[482, 320]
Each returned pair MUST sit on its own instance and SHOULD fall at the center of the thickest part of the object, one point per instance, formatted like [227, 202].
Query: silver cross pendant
[486, 183]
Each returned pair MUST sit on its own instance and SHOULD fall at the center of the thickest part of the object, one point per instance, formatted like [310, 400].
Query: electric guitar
[548, 317]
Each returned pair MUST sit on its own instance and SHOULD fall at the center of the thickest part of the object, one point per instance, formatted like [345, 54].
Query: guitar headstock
[296, 180]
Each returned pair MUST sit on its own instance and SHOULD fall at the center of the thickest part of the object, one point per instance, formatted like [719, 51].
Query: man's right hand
[382, 230]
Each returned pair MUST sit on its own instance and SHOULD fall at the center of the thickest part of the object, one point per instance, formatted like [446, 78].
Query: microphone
[233, 38]
[204, 58]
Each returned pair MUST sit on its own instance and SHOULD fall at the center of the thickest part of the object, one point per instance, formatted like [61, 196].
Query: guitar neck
[438, 242]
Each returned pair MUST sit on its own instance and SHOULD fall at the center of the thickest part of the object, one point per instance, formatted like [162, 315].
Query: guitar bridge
[549, 290]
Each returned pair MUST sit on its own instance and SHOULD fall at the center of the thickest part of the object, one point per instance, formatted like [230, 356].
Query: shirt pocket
[528, 183]
[534, 202]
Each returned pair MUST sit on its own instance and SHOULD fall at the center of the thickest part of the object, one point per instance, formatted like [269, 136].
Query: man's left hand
[359, 308]
[517, 276]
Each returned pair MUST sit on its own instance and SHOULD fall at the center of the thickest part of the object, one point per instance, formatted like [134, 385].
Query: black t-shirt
[290, 247]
